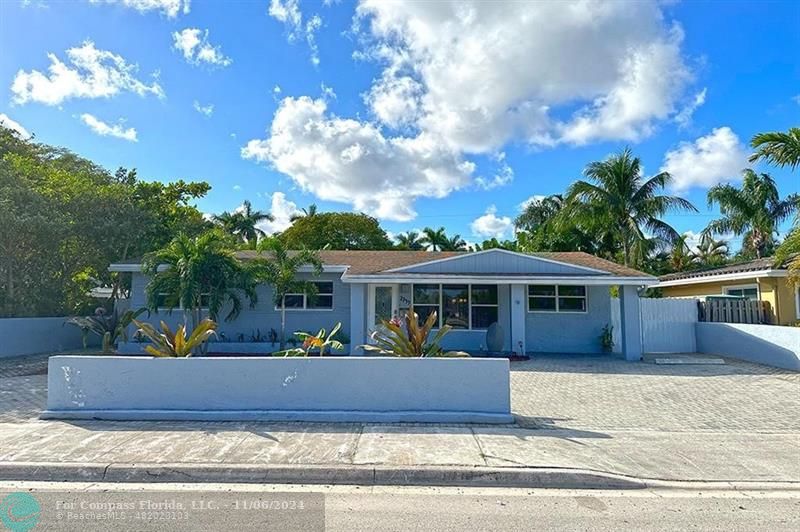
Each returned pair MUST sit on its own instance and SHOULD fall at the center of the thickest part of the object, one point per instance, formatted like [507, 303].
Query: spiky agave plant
[168, 344]
[311, 343]
[412, 340]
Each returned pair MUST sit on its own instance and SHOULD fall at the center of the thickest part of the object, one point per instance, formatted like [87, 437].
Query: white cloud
[170, 8]
[237, 187]
[92, 73]
[103, 129]
[796, 99]
[282, 210]
[480, 74]
[6, 121]
[196, 49]
[490, 225]
[524, 205]
[503, 176]
[353, 162]
[205, 110]
[717, 157]
[693, 240]
[288, 12]
[684, 117]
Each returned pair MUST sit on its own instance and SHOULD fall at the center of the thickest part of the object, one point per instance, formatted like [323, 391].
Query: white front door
[383, 299]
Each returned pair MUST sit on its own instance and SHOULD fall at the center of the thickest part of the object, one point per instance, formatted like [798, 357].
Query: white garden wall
[347, 389]
[773, 345]
[28, 336]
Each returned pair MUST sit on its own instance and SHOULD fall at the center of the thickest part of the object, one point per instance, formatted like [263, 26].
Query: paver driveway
[590, 393]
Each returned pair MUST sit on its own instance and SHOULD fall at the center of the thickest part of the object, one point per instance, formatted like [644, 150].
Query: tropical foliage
[754, 211]
[176, 344]
[336, 230]
[279, 268]
[64, 219]
[243, 223]
[109, 327]
[314, 344]
[410, 241]
[618, 199]
[780, 149]
[406, 337]
[198, 273]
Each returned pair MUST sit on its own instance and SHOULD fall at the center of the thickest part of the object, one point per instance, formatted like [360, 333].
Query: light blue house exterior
[546, 302]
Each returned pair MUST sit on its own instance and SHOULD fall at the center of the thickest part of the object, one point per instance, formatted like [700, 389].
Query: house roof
[766, 264]
[376, 262]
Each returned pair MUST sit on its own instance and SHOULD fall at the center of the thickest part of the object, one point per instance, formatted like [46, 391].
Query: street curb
[362, 475]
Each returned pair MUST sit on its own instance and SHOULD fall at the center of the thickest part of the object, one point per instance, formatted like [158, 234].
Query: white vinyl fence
[668, 325]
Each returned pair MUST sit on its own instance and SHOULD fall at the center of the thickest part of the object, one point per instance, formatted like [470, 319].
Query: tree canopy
[335, 230]
[64, 219]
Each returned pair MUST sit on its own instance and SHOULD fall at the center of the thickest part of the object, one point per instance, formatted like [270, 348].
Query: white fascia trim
[333, 268]
[474, 279]
[495, 250]
[721, 278]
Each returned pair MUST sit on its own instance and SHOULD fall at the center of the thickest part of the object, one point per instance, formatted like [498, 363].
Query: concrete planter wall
[28, 336]
[347, 389]
[766, 344]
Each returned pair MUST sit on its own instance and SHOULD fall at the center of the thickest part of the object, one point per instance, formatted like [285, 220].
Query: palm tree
[780, 149]
[681, 258]
[711, 252]
[409, 240]
[305, 213]
[434, 239]
[755, 211]
[789, 252]
[243, 222]
[619, 199]
[196, 273]
[278, 267]
[455, 243]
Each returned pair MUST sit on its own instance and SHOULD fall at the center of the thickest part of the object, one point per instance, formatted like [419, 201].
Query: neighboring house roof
[392, 263]
[763, 267]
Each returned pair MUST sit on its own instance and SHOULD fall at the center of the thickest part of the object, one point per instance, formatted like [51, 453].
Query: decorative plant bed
[223, 348]
[346, 389]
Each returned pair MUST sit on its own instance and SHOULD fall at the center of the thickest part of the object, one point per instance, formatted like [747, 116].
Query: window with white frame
[321, 300]
[749, 291]
[556, 298]
[461, 306]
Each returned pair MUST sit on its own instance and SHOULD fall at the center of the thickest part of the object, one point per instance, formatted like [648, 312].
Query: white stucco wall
[773, 345]
[28, 336]
[294, 389]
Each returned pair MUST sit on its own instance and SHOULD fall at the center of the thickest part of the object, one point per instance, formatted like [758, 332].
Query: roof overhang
[588, 280]
[738, 276]
[129, 267]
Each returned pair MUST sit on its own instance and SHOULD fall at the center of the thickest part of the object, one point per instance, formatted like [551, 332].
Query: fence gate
[668, 325]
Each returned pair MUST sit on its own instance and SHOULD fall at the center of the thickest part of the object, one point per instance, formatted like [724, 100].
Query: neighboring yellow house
[757, 280]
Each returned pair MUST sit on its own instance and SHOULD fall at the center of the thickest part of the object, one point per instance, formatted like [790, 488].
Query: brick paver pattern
[573, 392]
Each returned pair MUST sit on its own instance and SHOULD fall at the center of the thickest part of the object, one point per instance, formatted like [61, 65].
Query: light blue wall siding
[498, 262]
[552, 332]
[264, 316]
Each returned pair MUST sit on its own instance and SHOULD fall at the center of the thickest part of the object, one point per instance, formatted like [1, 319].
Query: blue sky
[422, 114]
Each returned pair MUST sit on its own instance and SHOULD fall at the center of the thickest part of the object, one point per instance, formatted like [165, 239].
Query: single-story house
[758, 280]
[543, 302]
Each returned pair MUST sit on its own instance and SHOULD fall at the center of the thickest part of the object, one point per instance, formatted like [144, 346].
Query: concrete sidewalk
[412, 454]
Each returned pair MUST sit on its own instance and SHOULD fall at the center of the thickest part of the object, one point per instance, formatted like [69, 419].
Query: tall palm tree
[789, 252]
[243, 222]
[409, 240]
[195, 273]
[434, 239]
[619, 199]
[455, 243]
[712, 252]
[780, 149]
[754, 211]
[278, 267]
[304, 213]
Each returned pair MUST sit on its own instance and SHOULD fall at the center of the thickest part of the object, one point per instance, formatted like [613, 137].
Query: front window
[461, 306]
[556, 298]
[321, 300]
